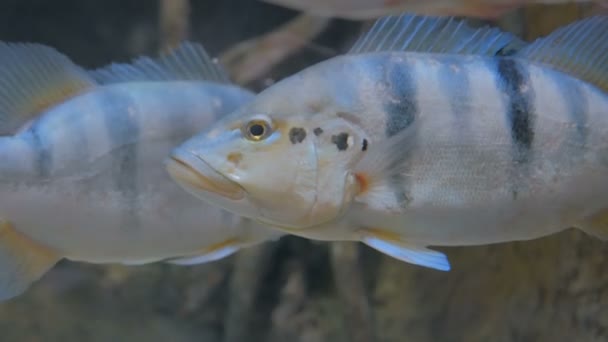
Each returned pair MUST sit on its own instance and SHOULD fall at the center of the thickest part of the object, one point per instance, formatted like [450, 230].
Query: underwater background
[550, 289]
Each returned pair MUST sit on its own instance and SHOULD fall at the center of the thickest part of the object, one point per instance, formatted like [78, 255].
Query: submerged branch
[349, 283]
[250, 59]
[174, 22]
[250, 267]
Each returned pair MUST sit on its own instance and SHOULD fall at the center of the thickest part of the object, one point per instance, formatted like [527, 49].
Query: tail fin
[579, 49]
[22, 261]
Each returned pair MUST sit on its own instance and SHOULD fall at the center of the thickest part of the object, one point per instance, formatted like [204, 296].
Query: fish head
[288, 171]
[251, 167]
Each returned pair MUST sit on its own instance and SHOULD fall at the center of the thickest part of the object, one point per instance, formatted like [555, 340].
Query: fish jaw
[198, 177]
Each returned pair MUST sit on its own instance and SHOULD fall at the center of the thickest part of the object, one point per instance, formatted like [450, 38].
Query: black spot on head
[364, 147]
[297, 135]
[341, 141]
[317, 131]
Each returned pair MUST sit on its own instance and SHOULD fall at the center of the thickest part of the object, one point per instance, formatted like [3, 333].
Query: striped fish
[428, 132]
[81, 162]
[371, 9]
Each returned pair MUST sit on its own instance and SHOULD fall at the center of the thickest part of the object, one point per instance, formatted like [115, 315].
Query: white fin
[579, 49]
[22, 261]
[212, 253]
[188, 61]
[140, 262]
[205, 258]
[418, 33]
[34, 78]
[409, 253]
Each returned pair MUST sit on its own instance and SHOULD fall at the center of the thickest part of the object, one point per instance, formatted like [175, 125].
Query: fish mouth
[194, 173]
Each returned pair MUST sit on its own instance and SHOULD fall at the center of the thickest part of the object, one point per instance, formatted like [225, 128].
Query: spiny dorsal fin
[579, 49]
[33, 78]
[188, 61]
[417, 33]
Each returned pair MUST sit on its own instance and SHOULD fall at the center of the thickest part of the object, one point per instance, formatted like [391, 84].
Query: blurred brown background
[552, 289]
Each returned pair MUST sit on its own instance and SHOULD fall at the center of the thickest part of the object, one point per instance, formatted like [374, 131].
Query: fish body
[84, 178]
[433, 138]
[372, 9]
[478, 172]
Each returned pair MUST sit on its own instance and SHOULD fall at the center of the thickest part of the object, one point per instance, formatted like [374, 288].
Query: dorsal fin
[579, 49]
[188, 61]
[34, 77]
[418, 33]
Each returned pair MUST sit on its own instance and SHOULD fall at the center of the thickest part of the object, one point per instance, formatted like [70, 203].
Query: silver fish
[427, 133]
[81, 171]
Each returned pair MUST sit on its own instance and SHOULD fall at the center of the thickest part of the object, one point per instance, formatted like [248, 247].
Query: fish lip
[195, 173]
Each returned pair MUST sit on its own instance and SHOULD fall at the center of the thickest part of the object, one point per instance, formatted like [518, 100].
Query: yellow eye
[257, 130]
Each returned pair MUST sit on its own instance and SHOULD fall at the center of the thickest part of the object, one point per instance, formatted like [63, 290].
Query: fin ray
[188, 61]
[387, 158]
[35, 77]
[212, 253]
[412, 254]
[418, 33]
[22, 261]
[205, 258]
[579, 49]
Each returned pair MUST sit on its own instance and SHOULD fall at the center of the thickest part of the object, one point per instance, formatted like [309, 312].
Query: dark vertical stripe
[123, 130]
[515, 83]
[577, 106]
[61, 127]
[227, 220]
[42, 150]
[401, 110]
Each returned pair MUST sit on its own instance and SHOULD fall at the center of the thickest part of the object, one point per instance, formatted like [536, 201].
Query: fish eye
[257, 129]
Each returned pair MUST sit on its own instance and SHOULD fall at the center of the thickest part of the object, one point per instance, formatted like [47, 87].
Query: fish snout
[196, 175]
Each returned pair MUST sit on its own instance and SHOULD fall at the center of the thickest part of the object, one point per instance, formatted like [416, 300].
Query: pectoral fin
[22, 261]
[391, 245]
[209, 254]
